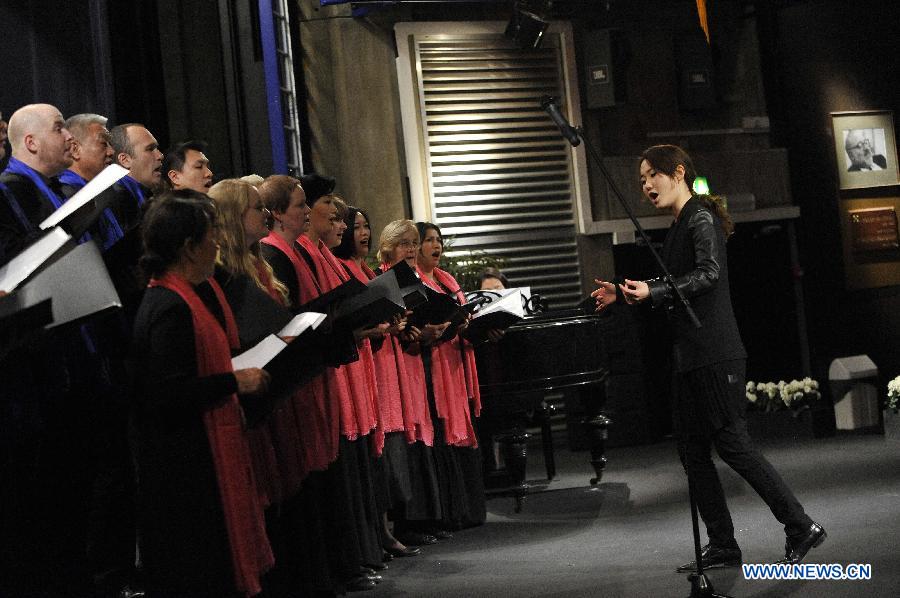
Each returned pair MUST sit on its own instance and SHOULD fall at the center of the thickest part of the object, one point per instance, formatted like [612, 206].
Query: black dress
[459, 471]
[183, 539]
[339, 501]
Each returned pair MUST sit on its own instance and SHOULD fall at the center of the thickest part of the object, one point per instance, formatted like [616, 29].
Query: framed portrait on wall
[865, 148]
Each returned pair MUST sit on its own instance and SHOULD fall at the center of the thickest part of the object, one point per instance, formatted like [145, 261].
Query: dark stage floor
[625, 537]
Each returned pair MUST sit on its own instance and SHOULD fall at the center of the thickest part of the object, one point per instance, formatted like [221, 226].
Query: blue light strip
[273, 87]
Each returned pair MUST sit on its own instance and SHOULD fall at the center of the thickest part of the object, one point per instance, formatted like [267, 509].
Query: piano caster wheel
[595, 481]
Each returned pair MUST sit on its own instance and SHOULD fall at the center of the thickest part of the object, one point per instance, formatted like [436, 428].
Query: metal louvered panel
[498, 171]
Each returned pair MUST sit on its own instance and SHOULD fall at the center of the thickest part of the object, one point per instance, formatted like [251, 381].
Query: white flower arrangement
[893, 402]
[771, 396]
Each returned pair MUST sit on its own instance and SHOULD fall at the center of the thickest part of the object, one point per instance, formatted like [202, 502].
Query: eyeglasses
[860, 145]
[266, 211]
[405, 244]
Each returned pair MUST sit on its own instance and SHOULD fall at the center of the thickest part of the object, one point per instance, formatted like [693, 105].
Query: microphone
[569, 132]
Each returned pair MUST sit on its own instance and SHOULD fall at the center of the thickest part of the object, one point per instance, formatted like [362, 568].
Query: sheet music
[301, 322]
[95, 187]
[496, 295]
[259, 355]
[23, 265]
[510, 302]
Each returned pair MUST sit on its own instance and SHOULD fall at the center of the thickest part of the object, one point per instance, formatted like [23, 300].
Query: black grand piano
[546, 352]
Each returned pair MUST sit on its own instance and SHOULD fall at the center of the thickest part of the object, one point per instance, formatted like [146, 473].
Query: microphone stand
[700, 584]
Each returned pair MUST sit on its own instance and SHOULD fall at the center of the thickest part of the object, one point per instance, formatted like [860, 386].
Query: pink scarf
[353, 384]
[402, 394]
[251, 554]
[311, 415]
[453, 374]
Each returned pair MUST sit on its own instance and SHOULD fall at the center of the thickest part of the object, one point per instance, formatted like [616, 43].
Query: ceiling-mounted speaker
[526, 29]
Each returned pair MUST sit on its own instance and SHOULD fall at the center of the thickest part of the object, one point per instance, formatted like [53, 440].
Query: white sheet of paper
[259, 355]
[511, 302]
[20, 267]
[95, 187]
[300, 322]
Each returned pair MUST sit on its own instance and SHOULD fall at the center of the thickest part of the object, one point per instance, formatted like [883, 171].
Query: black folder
[406, 276]
[381, 301]
[477, 329]
[414, 295]
[86, 215]
[297, 364]
[256, 314]
[84, 218]
[326, 303]
[438, 309]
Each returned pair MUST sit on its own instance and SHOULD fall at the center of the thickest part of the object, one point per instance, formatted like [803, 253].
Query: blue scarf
[109, 224]
[16, 166]
[134, 187]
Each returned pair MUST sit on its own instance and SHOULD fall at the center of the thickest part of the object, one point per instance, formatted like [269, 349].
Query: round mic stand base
[702, 588]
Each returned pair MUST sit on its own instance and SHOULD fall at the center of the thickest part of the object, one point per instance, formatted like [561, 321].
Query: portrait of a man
[865, 149]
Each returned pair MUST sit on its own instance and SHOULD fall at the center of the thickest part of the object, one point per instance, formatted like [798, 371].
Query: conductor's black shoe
[713, 558]
[795, 549]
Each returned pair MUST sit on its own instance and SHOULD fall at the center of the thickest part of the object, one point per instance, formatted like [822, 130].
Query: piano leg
[542, 416]
[515, 456]
[597, 433]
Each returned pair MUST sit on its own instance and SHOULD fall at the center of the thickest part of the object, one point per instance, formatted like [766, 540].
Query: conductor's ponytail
[719, 206]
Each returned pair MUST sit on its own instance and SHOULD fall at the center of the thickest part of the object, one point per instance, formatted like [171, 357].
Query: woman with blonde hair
[258, 301]
[432, 483]
[281, 444]
[243, 223]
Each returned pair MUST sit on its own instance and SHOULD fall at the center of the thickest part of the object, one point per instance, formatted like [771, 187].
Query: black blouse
[166, 357]
[695, 254]
[283, 270]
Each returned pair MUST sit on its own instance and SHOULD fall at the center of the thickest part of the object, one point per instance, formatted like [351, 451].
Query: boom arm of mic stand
[640, 229]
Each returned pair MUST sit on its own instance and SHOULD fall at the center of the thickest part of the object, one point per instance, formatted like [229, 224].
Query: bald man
[3, 125]
[41, 150]
[861, 152]
[45, 502]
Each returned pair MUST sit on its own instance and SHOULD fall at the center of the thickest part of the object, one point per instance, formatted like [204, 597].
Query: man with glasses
[861, 152]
